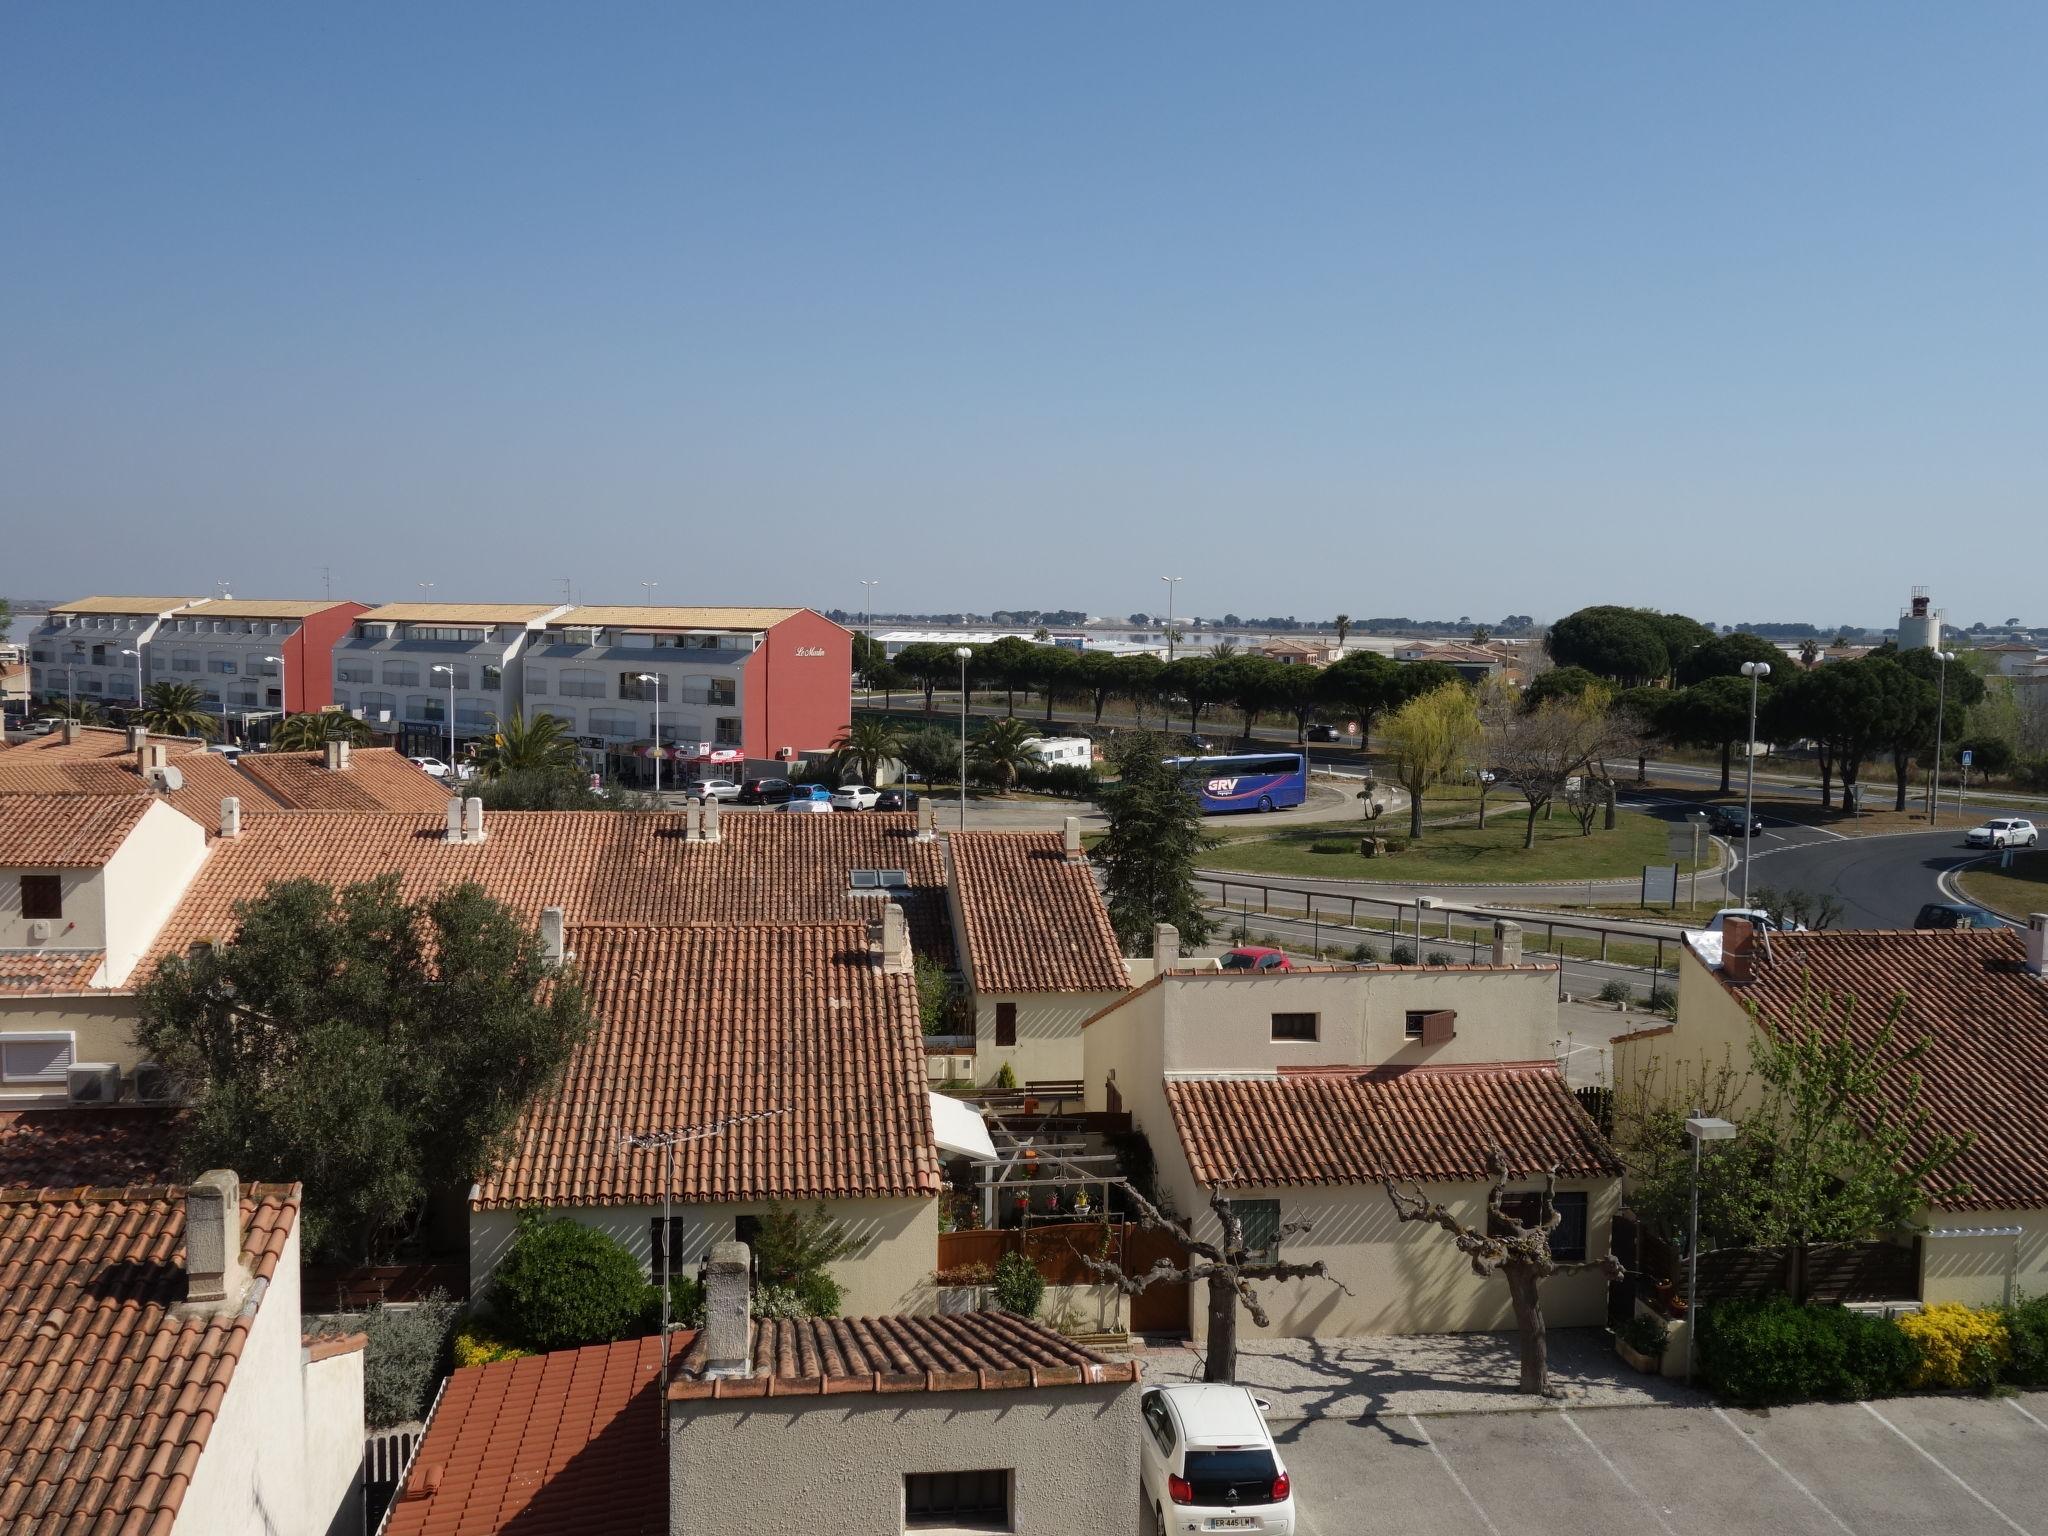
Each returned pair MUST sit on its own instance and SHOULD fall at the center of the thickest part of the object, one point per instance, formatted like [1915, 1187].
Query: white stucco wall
[1072, 1453]
[143, 882]
[1049, 1045]
[1983, 1271]
[890, 1273]
[333, 1393]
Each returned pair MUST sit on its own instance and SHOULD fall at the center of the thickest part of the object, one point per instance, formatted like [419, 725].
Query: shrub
[403, 1358]
[1959, 1346]
[778, 1301]
[1325, 845]
[1402, 954]
[2026, 1331]
[474, 1345]
[1019, 1286]
[1066, 780]
[565, 1285]
[794, 1252]
[1362, 952]
[1436, 957]
[1663, 1000]
[1616, 991]
[1646, 1334]
[685, 1304]
[1763, 1352]
[1006, 1078]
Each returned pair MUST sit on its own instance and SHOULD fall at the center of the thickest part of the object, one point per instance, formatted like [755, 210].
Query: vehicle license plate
[1231, 1523]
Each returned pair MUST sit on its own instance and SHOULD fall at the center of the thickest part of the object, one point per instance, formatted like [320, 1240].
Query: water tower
[1919, 624]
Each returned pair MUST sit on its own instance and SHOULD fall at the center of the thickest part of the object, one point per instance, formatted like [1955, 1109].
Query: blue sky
[1438, 310]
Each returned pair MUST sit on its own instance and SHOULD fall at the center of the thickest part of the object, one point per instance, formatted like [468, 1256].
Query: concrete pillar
[1507, 942]
[213, 1239]
[728, 1329]
[230, 816]
[1165, 946]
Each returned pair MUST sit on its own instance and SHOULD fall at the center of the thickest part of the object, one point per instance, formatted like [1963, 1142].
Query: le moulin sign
[809, 650]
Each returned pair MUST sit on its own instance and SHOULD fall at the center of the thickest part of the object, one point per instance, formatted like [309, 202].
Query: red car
[1251, 957]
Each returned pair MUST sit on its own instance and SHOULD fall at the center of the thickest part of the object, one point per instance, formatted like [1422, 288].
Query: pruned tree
[1509, 1247]
[1539, 752]
[1228, 1269]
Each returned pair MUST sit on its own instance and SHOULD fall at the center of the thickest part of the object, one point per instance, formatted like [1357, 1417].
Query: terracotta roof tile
[701, 1024]
[976, 1351]
[65, 831]
[1987, 1015]
[99, 1380]
[562, 1444]
[48, 972]
[600, 866]
[376, 779]
[206, 778]
[102, 741]
[1364, 1126]
[83, 1145]
[1034, 921]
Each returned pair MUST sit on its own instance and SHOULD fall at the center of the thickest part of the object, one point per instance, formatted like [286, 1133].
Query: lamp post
[1756, 672]
[649, 677]
[867, 602]
[138, 674]
[1698, 1129]
[71, 676]
[1940, 713]
[284, 707]
[965, 654]
[1171, 583]
[453, 771]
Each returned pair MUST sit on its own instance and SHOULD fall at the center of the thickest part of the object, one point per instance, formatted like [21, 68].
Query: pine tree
[1148, 856]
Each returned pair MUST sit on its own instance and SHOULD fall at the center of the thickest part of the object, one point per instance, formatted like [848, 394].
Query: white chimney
[151, 754]
[710, 821]
[927, 820]
[213, 1240]
[1165, 946]
[2037, 943]
[693, 816]
[230, 816]
[71, 730]
[454, 832]
[890, 937]
[137, 735]
[337, 757]
[728, 1329]
[553, 939]
[473, 820]
[1070, 833]
[1507, 942]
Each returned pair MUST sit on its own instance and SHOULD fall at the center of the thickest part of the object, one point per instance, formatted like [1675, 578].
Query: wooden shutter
[1440, 1027]
[1006, 1023]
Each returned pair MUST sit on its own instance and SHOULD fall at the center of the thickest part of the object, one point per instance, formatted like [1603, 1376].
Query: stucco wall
[1049, 1045]
[144, 880]
[1072, 1453]
[891, 1272]
[333, 1392]
[102, 1029]
[84, 923]
[1984, 1271]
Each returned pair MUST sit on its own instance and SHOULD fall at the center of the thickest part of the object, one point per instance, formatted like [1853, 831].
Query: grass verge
[2015, 892]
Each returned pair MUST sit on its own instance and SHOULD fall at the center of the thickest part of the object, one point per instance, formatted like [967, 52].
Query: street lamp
[1698, 1129]
[965, 654]
[867, 601]
[71, 676]
[1756, 672]
[451, 717]
[284, 707]
[138, 674]
[1171, 583]
[1940, 711]
[649, 677]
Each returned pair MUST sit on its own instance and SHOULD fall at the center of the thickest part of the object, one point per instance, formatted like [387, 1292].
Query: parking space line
[1452, 1473]
[2016, 1408]
[1620, 1477]
[1756, 1444]
[1952, 1477]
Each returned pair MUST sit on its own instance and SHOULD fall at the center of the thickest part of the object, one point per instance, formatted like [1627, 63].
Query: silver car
[2002, 832]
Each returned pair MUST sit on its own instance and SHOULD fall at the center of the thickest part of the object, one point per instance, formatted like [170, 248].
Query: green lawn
[2016, 891]
[1462, 854]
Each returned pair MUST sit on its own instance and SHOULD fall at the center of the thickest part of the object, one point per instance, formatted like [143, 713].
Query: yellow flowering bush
[473, 1346]
[1959, 1346]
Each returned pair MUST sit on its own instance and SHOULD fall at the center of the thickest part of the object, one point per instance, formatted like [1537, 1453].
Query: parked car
[1757, 916]
[1207, 1462]
[433, 767]
[230, 751]
[2002, 832]
[855, 797]
[1253, 957]
[1730, 821]
[805, 807]
[1324, 733]
[1948, 914]
[896, 800]
[47, 724]
[711, 789]
[811, 792]
[764, 792]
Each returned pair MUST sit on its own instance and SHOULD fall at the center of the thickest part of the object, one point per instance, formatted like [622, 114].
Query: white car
[807, 807]
[433, 767]
[711, 789]
[855, 797]
[2002, 832]
[1757, 916]
[1208, 1463]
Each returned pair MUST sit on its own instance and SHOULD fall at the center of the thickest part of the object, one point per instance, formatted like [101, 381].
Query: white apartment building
[97, 648]
[401, 667]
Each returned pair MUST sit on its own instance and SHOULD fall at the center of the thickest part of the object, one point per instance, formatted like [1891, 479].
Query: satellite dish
[167, 778]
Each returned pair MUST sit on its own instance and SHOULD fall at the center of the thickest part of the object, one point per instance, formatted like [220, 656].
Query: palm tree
[1002, 751]
[311, 731]
[175, 709]
[867, 744]
[1809, 652]
[85, 712]
[1343, 628]
[1223, 650]
[520, 744]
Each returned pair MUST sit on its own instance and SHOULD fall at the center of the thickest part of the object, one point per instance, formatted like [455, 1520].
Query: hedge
[1761, 1353]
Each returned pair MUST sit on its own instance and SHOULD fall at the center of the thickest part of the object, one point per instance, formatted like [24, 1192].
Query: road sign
[1660, 884]
[1969, 758]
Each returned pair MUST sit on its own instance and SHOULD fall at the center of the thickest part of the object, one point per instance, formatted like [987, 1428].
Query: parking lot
[1928, 1466]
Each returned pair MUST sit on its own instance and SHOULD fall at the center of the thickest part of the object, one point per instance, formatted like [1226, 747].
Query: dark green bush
[1019, 1286]
[685, 1304]
[1763, 1352]
[1437, 957]
[1616, 991]
[2027, 1326]
[1646, 1334]
[1363, 952]
[794, 1251]
[565, 1285]
[1663, 1000]
[1065, 779]
[1402, 954]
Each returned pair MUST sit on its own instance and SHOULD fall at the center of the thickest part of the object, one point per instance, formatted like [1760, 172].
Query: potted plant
[1640, 1341]
[963, 1288]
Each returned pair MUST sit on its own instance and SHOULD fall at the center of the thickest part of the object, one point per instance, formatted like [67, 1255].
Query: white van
[1062, 751]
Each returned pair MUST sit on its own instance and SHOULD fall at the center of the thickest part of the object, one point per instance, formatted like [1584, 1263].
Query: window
[1432, 1026]
[725, 731]
[1006, 1023]
[441, 632]
[536, 682]
[980, 1499]
[1294, 1026]
[1261, 1219]
[42, 896]
[1159, 1422]
[341, 698]
[403, 674]
[630, 687]
[184, 661]
[424, 706]
[665, 1248]
[441, 678]
[1568, 1237]
[376, 705]
[493, 678]
[35, 1058]
[722, 691]
[223, 666]
[615, 723]
[881, 879]
[581, 683]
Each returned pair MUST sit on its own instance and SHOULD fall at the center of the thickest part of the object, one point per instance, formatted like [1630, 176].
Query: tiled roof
[83, 1145]
[206, 778]
[975, 1351]
[562, 1444]
[701, 1024]
[1968, 989]
[1034, 922]
[65, 831]
[619, 616]
[124, 605]
[106, 1397]
[376, 779]
[1363, 1127]
[263, 608]
[457, 613]
[48, 972]
[600, 866]
[103, 741]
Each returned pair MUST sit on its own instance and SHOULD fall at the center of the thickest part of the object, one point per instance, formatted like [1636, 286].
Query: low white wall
[334, 1444]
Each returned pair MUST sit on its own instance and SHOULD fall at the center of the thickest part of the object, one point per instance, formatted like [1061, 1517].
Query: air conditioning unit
[93, 1082]
[785, 754]
[39, 930]
[154, 1084]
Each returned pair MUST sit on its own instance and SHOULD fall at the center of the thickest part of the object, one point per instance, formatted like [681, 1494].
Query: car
[1207, 1462]
[855, 797]
[2002, 832]
[1732, 821]
[433, 767]
[805, 807]
[1324, 733]
[1948, 914]
[896, 800]
[763, 792]
[226, 749]
[711, 789]
[1196, 743]
[1253, 957]
[47, 724]
[811, 792]
[1757, 916]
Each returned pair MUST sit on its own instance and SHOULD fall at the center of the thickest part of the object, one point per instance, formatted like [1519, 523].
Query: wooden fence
[1056, 1248]
[1835, 1272]
[330, 1286]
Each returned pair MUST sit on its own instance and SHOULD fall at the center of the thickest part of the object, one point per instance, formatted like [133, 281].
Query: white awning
[959, 1129]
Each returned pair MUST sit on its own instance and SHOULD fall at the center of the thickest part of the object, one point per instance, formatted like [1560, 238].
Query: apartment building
[406, 668]
[245, 656]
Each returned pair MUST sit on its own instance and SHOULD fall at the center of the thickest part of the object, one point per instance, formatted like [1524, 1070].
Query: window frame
[62, 1076]
[1269, 1251]
[1006, 1024]
[43, 883]
[1315, 1028]
[1527, 1204]
[932, 1512]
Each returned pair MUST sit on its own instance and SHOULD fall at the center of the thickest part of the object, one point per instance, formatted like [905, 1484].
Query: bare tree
[1508, 1247]
[1227, 1267]
[1540, 751]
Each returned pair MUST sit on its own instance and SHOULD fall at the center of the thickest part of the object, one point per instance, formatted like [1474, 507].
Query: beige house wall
[891, 1272]
[1712, 1029]
[144, 881]
[84, 923]
[102, 1029]
[1983, 1271]
[1049, 1045]
[1072, 1453]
